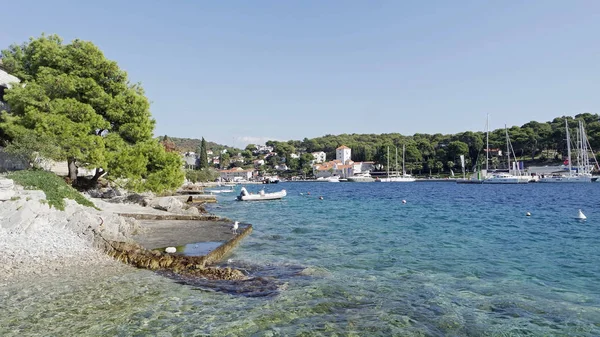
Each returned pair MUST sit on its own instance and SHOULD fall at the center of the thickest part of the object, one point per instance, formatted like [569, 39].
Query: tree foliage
[203, 155]
[435, 153]
[83, 105]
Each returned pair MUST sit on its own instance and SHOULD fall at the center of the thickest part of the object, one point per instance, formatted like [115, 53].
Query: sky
[240, 72]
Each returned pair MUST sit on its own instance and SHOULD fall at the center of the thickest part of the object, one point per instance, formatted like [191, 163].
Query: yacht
[364, 177]
[508, 178]
[332, 179]
[404, 178]
[583, 172]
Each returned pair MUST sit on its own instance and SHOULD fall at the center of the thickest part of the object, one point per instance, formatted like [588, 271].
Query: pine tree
[203, 156]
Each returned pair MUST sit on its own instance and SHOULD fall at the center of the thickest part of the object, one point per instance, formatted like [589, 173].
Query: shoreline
[37, 240]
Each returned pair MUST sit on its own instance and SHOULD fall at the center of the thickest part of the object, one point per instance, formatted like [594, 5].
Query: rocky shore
[36, 239]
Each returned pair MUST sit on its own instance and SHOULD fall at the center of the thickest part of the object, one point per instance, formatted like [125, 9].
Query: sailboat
[508, 178]
[583, 170]
[404, 178]
[480, 175]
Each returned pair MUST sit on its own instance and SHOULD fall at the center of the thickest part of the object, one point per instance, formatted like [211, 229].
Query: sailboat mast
[507, 147]
[396, 164]
[487, 143]
[388, 164]
[568, 146]
[578, 149]
[403, 152]
[584, 151]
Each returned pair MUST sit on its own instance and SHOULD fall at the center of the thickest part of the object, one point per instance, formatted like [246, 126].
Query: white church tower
[343, 154]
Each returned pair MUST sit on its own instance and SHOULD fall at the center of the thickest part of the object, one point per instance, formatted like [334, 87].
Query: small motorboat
[245, 196]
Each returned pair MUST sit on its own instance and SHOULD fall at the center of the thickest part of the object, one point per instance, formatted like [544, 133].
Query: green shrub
[203, 175]
[55, 188]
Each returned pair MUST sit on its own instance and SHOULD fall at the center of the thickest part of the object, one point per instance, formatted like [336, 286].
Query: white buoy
[581, 216]
[528, 214]
[404, 201]
[170, 249]
[235, 227]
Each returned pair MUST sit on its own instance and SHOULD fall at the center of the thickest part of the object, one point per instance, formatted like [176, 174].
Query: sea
[366, 259]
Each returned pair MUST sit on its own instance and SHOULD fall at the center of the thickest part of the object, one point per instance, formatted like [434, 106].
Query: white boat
[245, 196]
[481, 175]
[364, 177]
[332, 179]
[508, 178]
[404, 178]
[584, 169]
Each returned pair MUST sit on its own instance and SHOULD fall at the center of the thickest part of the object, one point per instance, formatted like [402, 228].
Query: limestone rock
[169, 204]
[192, 211]
[7, 189]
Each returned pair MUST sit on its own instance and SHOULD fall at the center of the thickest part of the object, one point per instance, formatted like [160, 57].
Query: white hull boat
[584, 167]
[508, 178]
[245, 196]
[404, 178]
[505, 178]
[399, 179]
[332, 179]
[361, 178]
[565, 178]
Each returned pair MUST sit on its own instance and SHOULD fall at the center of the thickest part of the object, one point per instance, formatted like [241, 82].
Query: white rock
[169, 204]
[7, 189]
[192, 211]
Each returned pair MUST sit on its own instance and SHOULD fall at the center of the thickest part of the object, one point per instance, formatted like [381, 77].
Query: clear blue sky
[245, 71]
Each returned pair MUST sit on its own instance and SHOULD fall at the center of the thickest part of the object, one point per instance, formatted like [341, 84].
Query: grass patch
[55, 187]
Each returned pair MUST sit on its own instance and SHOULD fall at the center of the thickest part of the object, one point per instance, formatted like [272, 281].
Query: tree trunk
[99, 173]
[72, 169]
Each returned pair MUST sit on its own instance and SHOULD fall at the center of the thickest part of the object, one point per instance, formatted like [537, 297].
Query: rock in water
[7, 189]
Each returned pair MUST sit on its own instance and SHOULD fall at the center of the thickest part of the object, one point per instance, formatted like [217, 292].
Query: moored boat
[245, 196]
[583, 169]
[506, 178]
[332, 179]
[361, 178]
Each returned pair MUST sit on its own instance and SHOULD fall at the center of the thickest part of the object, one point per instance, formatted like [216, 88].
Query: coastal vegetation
[75, 105]
[533, 142]
[202, 175]
[193, 145]
[55, 188]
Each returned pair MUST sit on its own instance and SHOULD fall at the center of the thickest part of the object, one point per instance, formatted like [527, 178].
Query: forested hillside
[192, 145]
[538, 143]
[542, 142]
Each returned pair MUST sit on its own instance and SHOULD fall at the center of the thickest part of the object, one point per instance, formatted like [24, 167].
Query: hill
[192, 145]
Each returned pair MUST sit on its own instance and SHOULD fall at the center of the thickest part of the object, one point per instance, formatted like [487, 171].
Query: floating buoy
[170, 249]
[320, 198]
[581, 216]
[404, 201]
[528, 214]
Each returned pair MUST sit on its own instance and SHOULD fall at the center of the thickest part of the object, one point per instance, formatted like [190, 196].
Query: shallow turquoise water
[455, 260]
